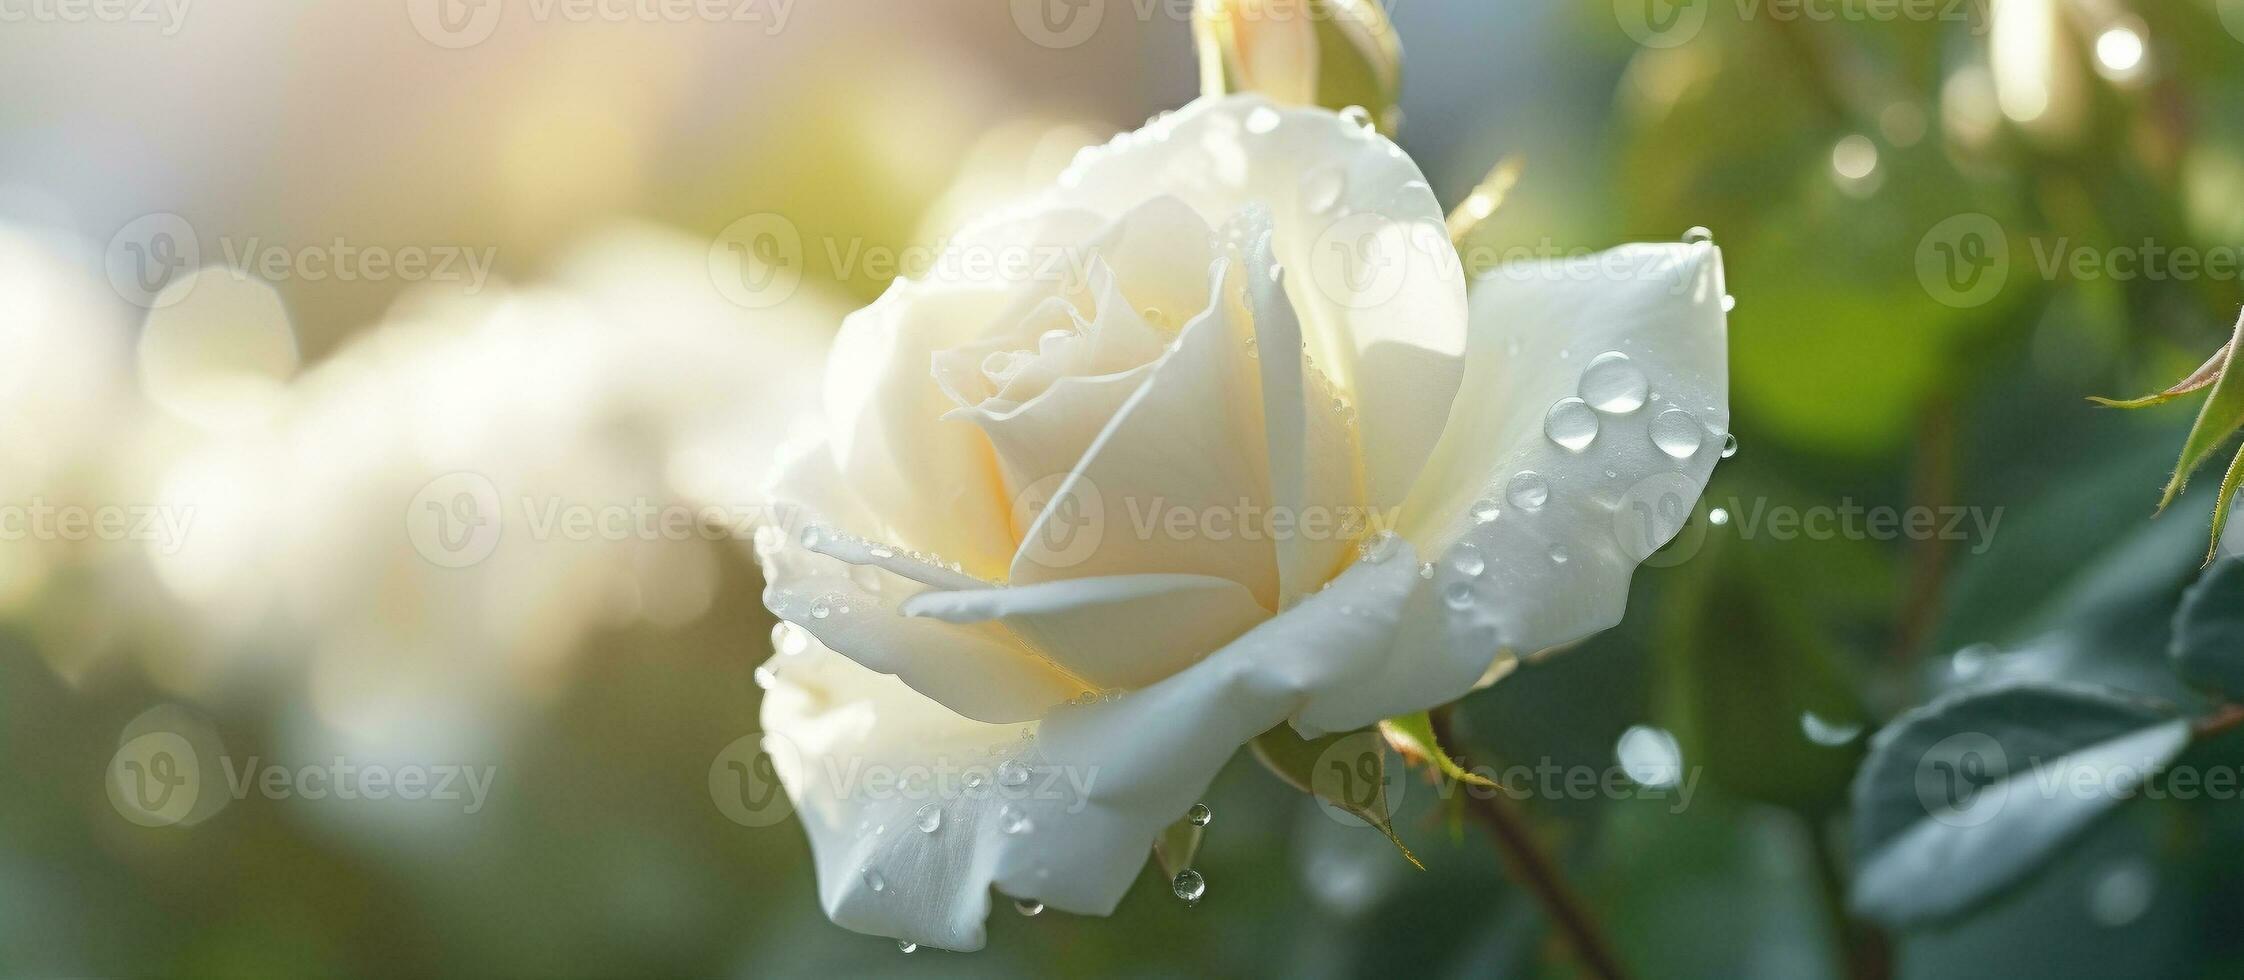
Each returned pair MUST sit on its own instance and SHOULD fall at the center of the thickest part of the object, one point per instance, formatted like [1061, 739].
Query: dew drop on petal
[1718, 517]
[1697, 235]
[1613, 383]
[1486, 509]
[1571, 424]
[929, 818]
[1729, 445]
[873, 880]
[1029, 907]
[1359, 116]
[1188, 885]
[1199, 815]
[1822, 731]
[1011, 773]
[1013, 821]
[906, 946]
[1379, 547]
[1677, 433]
[1458, 596]
[1528, 490]
[1559, 555]
[1467, 561]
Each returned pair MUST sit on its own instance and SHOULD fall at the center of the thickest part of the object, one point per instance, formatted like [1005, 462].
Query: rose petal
[1096, 783]
[1123, 631]
[1556, 572]
[1187, 441]
[1380, 291]
[980, 671]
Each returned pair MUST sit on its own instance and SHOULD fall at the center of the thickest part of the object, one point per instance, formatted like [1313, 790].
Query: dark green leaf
[1968, 795]
[2208, 641]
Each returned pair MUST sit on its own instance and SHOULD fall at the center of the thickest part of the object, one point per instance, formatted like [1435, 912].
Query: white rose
[1020, 665]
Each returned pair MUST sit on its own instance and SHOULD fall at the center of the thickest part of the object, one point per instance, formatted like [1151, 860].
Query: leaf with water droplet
[1413, 736]
[1362, 790]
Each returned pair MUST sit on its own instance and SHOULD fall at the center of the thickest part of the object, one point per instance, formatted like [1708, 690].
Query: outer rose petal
[1379, 290]
[1100, 780]
[1560, 571]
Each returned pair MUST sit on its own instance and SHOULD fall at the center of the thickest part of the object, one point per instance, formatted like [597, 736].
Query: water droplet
[1458, 596]
[789, 639]
[1613, 383]
[1729, 445]
[1823, 731]
[1013, 821]
[1571, 424]
[765, 677]
[820, 608]
[1651, 756]
[1029, 907]
[1011, 773]
[1154, 316]
[1559, 555]
[1254, 347]
[1188, 885]
[1698, 234]
[1322, 188]
[1426, 569]
[882, 551]
[2123, 893]
[973, 779]
[811, 537]
[1719, 517]
[1729, 304]
[1528, 490]
[1262, 120]
[873, 880]
[1379, 547]
[906, 946]
[929, 817]
[1199, 815]
[1677, 433]
[1486, 509]
[1359, 116]
[1467, 560]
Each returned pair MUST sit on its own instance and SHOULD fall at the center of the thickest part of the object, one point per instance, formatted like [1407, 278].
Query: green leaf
[1413, 736]
[2197, 381]
[2208, 645]
[1347, 770]
[1968, 795]
[1333, 53]
[2222, 415]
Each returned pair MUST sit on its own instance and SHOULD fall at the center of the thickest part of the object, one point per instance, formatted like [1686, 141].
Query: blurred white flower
[1147, 467]
[440, 512]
